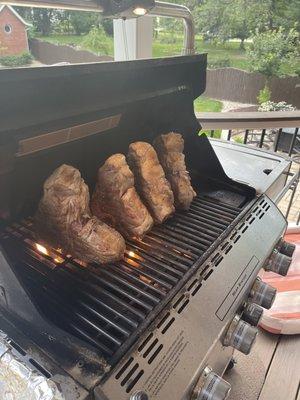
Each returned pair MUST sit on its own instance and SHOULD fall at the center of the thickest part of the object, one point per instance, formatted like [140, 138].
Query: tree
[82, 22]
[209, 19]
[108, 26]
[42, 19]
[271, 49]
[225, 19]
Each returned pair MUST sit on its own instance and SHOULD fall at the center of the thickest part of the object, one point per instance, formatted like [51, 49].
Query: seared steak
[150, 179]
[116, 201]
[63, 220]
[169, 148]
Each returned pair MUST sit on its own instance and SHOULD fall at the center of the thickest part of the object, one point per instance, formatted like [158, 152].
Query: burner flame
[131, 253]
[59, 260]
[42, 249]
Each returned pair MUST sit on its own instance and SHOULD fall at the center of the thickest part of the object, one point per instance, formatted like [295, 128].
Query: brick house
[13, 32]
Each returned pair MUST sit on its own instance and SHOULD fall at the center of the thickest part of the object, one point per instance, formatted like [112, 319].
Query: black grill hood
[37, 100]
[46, 112]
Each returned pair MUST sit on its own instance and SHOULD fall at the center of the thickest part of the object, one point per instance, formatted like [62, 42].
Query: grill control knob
[213, 387]
[278, 263]
[240, 335]
[140, 395]
[252, 314]
[263, 294]
[286, 248]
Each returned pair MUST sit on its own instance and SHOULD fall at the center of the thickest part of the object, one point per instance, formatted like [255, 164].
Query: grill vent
[129, 374]
[124, 368]
[134, 381]
[145, 342]
[149, 348]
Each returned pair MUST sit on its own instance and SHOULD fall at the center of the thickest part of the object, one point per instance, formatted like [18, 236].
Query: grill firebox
[108, 305]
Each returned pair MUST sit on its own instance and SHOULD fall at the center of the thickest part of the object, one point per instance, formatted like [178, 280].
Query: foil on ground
[19, 381]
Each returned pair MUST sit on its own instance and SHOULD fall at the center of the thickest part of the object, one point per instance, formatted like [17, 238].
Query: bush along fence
[49, 53]
[236, 85]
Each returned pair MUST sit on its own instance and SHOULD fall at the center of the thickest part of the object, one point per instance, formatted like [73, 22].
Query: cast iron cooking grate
[106, 304]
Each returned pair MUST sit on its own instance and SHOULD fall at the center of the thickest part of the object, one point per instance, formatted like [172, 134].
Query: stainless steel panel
[183, 339]
[249, 165]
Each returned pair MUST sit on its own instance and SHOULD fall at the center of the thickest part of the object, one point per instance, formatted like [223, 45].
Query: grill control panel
[169, 359]
[262, 294]
[252, 314]
[286, 248]
[278, 263]
[240, 335]
[211, 386]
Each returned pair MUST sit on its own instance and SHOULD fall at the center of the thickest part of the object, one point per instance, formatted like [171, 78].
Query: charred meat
[151, 182]
[63, 220]
[116, 201]
[169, 148]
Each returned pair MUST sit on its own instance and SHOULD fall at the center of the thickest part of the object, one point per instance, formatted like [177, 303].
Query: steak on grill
[116, 201]
[63, 220]
[169, 148]
[151, 182]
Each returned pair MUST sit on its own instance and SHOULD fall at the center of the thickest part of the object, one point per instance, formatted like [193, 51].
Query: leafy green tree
[271, 49]
[225, 19]
[107, 24]
[42, 19]
[82, 22]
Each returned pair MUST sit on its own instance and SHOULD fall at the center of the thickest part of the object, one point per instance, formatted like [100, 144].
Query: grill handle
[292, 184]
[170, 10]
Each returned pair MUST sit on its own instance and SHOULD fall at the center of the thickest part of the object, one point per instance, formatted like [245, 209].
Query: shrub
[221, 63]
[96, 41]
[238, 139]
[16, 61]
[271, 49]
[272, 106]
[264, 95]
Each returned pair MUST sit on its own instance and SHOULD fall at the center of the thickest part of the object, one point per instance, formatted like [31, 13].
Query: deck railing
[273, 131]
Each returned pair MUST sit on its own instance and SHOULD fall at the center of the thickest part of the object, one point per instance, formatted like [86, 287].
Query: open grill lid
[65, 114]
[38, 100]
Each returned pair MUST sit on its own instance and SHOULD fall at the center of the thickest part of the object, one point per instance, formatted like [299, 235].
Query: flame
[131, 253]
[59, 260]
[42, 249]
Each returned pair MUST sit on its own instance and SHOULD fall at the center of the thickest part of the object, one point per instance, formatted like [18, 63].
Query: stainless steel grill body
[155, 320]
[184, 339]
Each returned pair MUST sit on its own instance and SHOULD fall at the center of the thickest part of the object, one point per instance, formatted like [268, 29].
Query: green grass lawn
[203, 104]
[168, 44]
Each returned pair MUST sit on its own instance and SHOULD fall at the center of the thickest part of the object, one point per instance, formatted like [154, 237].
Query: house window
[8, 28]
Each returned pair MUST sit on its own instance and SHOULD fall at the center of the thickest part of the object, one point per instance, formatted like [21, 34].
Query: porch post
[138, 38]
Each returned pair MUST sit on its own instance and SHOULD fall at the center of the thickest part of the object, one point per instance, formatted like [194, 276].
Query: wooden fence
[49, 53]
[236, 85]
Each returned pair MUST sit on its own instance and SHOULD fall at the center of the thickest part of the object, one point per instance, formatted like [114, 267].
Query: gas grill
[161, 323]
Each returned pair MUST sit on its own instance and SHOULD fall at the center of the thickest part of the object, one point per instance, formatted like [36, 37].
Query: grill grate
[104, 305]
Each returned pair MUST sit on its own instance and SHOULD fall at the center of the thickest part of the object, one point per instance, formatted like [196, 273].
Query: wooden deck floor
[270, 372]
